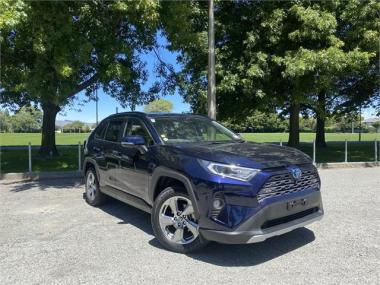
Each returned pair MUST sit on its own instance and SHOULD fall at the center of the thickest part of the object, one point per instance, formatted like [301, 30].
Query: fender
[92, 161]
[161, 171]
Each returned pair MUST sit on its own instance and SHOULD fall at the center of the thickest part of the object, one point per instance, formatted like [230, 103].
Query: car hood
[246, 154]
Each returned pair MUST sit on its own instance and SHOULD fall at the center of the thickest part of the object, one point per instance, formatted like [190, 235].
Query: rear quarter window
[114, 131]
[100, 130]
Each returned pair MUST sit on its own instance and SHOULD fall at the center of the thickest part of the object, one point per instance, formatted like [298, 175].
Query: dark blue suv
[200, 181]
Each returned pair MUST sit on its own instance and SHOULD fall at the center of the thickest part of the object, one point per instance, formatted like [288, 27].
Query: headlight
[230, 171]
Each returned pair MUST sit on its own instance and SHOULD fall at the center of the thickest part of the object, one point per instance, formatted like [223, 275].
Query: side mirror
[133, 140]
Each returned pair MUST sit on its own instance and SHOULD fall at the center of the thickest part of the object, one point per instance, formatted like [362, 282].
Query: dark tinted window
[100, 130]
[114, 131]
[136, 128]
[183, 129]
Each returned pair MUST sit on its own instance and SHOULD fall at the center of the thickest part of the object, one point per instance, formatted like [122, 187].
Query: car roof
[155, 115]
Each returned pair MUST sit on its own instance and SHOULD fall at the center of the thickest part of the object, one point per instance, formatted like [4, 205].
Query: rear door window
[114, 131]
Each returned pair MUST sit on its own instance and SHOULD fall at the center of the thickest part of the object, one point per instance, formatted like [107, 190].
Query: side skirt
[127, 198]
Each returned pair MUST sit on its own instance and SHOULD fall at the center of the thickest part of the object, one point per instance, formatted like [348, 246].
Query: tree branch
[84, 85]
[164, 63]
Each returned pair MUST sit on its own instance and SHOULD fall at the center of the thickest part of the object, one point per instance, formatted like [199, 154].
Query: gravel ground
[49, 235]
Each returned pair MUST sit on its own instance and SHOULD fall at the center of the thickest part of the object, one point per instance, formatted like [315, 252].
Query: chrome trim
[285, 228]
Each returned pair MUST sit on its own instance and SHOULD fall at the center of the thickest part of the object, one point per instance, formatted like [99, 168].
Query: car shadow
[42, 185]
[254, 254]
[127, 214]
[215, 253]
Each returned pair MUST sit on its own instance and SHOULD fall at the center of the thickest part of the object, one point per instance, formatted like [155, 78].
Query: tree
[5, 124]
[53, 50]
[376, 125]
[284, 54]
[358, 29]
[26, 120]
[159, 106]
[76, 126]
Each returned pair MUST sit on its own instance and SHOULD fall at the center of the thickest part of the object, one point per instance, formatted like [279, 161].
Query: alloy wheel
[91, 186]
[177, 220]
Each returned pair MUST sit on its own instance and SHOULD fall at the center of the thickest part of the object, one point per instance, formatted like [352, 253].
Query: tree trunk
[320, 139]
[48, 147]
[294, 125]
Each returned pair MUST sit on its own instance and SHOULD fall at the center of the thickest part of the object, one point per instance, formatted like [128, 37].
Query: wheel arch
[164, 177]
[88, 163]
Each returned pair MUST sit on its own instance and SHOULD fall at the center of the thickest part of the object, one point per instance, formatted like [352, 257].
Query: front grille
[287, 219]
[283, 183]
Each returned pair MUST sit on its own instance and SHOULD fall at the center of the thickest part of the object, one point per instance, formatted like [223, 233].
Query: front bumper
[273, 220]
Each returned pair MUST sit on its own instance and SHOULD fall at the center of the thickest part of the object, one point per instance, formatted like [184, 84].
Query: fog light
[218, 203]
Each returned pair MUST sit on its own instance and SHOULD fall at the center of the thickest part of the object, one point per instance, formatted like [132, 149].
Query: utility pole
[97, 99]
[360, 122]
[211, 96]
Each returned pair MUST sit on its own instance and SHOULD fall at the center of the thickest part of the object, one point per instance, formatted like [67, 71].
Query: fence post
[345, 151]
[30, 156]
[314, 152]
[79, 157]
[280, 142]
[376, 157]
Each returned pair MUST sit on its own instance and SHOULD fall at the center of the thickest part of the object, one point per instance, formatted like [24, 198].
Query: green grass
[16, 160]
[35, 138]
[356, 151]
[308, 137]
[67, 139]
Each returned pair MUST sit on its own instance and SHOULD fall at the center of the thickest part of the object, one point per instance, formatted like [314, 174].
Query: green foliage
[5, 124]
[376, 125]
[76, 126]
[269, 53]
[159, 106]
[259, 122]
[27, 119]
[53, 50]
[66, 47]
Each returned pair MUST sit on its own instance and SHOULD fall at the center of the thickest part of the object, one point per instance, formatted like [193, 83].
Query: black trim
[166, 172]
[127, 198]
[287, 219]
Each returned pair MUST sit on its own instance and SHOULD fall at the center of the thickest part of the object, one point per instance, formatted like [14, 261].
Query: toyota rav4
[200, 181]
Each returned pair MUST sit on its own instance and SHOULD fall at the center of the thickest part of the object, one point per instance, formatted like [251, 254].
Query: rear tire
[174, 223]
[93, 195]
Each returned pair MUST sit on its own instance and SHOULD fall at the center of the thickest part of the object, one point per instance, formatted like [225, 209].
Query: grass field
[35, 138]
[16, 160]
[308, 137]
[8, 139]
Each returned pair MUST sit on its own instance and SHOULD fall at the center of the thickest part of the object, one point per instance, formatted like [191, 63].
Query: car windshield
[189, 129]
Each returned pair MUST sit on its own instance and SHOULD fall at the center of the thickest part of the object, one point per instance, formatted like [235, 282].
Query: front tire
[174, 223]
[93, 195]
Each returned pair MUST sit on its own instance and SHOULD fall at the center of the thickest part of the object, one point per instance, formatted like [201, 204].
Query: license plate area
[299, 203]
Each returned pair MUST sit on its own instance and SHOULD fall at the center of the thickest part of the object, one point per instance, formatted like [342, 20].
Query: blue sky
[87, 112]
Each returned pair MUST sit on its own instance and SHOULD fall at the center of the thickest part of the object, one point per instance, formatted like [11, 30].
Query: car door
[112, 152]
[135, 166]
[96, 147]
